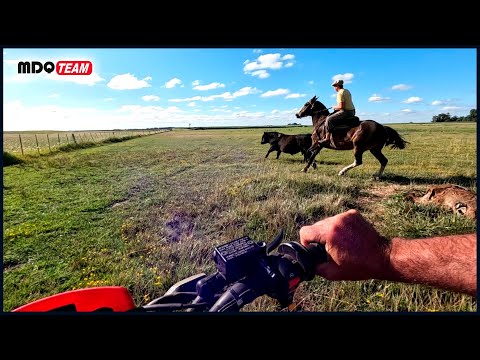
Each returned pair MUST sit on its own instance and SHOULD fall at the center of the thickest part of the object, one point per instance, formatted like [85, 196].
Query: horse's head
[312, 106]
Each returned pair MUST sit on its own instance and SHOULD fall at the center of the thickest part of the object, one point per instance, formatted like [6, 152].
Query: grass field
[147, 212]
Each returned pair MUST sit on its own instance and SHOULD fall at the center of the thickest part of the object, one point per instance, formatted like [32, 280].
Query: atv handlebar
[246, 270]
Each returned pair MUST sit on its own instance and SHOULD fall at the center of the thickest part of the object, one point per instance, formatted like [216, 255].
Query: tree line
[472, 116]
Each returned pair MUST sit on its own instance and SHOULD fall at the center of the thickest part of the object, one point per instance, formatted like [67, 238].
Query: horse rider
[342, 110]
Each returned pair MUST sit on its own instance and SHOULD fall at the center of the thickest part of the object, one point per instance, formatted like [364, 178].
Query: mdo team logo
[62, 67]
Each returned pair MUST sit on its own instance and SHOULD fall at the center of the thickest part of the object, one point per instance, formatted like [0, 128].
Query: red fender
[103, 298]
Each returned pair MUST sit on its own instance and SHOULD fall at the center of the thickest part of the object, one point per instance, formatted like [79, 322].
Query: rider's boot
[326, 140]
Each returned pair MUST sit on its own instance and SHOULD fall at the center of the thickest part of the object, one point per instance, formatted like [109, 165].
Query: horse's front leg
[313, 151]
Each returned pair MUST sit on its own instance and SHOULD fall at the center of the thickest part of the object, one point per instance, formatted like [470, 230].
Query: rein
[319, 111]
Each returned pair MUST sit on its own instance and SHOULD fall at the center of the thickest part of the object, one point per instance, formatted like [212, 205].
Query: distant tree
[448, 118]
[472, 116]
[441, 118]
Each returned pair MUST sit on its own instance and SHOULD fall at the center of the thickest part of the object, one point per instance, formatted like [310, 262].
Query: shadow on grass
[9, 159]
[461, 180]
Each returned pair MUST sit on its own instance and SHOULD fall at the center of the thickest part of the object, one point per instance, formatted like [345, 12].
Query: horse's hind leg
[377, 152]
[358, 161]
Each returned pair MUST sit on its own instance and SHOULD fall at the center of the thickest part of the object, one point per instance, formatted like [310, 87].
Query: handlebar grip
[317, 252]
[307, 257]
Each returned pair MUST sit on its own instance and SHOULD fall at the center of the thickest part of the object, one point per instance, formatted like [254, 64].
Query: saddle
[346, 124]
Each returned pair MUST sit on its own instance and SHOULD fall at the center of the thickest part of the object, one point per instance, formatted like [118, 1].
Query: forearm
[448, 262]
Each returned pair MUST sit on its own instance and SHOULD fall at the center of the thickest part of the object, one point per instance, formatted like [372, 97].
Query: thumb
[311, 233]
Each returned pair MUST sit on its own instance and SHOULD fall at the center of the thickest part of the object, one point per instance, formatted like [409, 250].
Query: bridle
[316, 112]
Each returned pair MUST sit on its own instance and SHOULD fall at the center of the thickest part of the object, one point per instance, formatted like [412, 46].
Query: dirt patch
[372, 201]
[180, 225]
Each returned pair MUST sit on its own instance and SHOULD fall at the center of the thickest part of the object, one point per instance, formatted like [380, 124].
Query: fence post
[36, 140]
[21, 145]
[73, 137]
[58, 139]
[49, 149]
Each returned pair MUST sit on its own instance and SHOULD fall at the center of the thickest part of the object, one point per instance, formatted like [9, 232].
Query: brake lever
[272, 245]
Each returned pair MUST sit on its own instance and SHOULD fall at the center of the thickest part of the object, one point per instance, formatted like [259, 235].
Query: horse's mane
[318, 106]
[320, 113]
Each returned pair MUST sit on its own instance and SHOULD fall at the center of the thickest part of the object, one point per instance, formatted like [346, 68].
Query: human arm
[448, 262]
[339, 106]
[340, 101]
[358, 252]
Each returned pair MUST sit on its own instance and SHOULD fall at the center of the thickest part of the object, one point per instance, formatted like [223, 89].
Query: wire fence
[41, 143]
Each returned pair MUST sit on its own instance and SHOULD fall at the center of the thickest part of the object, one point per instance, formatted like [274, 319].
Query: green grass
[147, 212]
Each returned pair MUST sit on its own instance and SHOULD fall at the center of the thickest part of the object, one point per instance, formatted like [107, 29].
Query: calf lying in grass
[459, 199]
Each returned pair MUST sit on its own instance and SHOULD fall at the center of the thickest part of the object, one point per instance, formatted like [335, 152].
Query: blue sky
[158, 87]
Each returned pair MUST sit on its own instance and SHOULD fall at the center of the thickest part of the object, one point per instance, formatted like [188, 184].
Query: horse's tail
[394, 139]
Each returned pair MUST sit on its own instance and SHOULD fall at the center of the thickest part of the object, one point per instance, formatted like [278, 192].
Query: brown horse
[360, 136]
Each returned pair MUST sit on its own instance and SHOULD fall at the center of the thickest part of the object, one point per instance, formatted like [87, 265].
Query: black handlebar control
[234, 259]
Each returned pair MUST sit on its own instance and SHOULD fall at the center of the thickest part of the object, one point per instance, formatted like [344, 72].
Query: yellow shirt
[344, 96]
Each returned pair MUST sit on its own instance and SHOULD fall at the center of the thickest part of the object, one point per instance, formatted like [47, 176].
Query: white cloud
[213, 85]
[289, 64]
[109, 99]
[193, 98]
[267, 62]
[257, 51]
[172, 83]
[311, 82]
[412, 100]
[401, 87]
[277, 92]
[191, 103]
[53, 96]
[150, 98]
[128, 82]
[347, 78]
[226, 95]
[195, 82]
[447, 108]
[247, 90]
[407, 111]
[262, 74]
[295, 96]
[378, 98]
[89, 80]
[437, 102]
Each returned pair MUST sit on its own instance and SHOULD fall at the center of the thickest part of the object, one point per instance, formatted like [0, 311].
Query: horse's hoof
[341, 173]
[304, 170]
